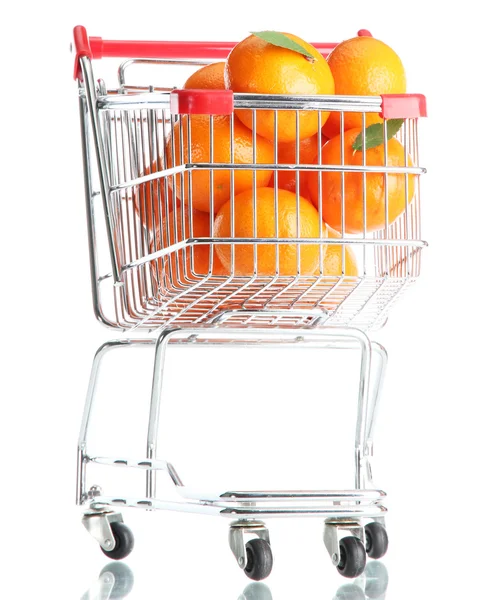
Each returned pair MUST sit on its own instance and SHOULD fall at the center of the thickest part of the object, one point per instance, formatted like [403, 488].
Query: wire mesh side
[170, 253]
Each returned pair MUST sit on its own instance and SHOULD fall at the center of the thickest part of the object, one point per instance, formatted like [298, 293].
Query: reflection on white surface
[256, 591]
[371, 585]
[116, 581]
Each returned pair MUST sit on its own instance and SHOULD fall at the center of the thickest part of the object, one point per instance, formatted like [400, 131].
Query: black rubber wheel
[376, 540]
[124, 542]
[352, 557]
[124, 579]
[259, 559]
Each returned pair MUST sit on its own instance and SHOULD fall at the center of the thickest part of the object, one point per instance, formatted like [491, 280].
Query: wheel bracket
[335, 530]
[98, 525]
[236, 538]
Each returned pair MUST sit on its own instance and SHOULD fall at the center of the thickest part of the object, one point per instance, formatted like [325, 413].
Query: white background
[433, 453]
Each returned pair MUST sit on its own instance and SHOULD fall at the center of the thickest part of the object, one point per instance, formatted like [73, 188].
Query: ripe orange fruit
[199, 153]
[189, 263]
[266, 228]
[363, 66]
[287, 180]
[210, 77]
[333, 260]
[354, 185]
[150, 198]
[256, 66]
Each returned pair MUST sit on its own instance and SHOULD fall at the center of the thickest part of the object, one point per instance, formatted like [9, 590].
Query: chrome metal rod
[86, 416]
[277, 241]
[154, 408]
[319, 315]
[156, 61]
[93, 379]
[363, 403]
[90, 90]
[299, 240]
[218, 166]
[251, 101]
[354, 509]
[81, 475]
[378, 372]
[91, 226]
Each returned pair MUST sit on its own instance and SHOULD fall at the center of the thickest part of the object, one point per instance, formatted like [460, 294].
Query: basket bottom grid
[261, 301]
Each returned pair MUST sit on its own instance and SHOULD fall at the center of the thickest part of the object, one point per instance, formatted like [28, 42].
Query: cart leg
[82, 495]
[363, 407]
[378, 367]
[374, 362]
[82, 458]
[154, 409]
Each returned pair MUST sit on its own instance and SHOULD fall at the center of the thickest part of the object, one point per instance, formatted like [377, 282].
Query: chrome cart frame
[342, 510]
[141, 181]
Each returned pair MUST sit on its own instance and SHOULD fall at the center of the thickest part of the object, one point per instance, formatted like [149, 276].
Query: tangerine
[333, 260]
[308, 151]
[210, 77]
[150, 198]
[266, 228]
[257, 66]
[363, 66]
[354, 186]
[192, 262]
[202, 196]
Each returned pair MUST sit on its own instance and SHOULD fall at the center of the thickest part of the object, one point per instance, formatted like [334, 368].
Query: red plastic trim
[148, 49]
[82, 48]
[201, 102]
[364, 33]
[403, 106]
[97, 47]
[139, 49]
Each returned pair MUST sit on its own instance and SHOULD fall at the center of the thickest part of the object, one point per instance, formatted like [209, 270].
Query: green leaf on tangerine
[283, 41]
[374, 134]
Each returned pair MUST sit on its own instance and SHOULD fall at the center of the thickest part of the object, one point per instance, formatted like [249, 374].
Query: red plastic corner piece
[201, 102]
[97, 45]
[82, 48]
[403, 106]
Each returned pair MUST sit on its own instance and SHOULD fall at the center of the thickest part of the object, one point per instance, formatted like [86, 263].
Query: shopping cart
[148, 274]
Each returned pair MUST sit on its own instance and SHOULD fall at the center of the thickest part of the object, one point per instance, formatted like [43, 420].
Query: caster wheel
[259, 559]
[376, 540]
[352, 557]
[124, 542]
[124, 579]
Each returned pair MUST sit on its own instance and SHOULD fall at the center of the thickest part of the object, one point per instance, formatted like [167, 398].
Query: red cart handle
[96, 47]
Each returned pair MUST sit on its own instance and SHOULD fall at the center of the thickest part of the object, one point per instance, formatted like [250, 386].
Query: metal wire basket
[143, 183]
[243, 243]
